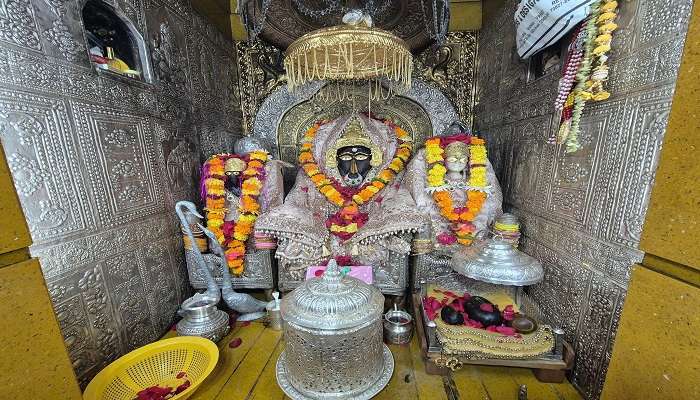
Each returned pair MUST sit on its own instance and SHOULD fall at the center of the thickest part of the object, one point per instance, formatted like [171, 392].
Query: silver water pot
[202, 318]
[398, 327]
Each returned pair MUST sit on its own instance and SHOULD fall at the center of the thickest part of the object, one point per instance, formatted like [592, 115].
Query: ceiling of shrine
[285, 22]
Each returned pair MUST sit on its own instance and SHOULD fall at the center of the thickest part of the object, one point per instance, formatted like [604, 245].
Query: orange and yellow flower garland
[348, 220]
[233, 234]
[461, 218]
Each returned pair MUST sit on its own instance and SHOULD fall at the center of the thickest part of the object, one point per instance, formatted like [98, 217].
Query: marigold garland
[349, 219]
[461, 218]
[233, 234]
[591, 73]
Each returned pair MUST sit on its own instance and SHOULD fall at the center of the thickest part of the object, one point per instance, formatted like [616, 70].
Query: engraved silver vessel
[398, 326]
[202, 318]
[333, 334]
[498, 262]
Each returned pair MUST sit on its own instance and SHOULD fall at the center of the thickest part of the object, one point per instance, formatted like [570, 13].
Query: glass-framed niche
[114, 44]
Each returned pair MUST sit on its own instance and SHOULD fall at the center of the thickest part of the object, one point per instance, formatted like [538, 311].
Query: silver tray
[372, 391]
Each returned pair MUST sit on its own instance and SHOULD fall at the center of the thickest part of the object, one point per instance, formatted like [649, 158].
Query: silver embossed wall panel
[99, 162]
[583, 212]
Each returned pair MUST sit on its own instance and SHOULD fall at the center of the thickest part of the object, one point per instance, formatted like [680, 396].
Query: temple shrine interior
[349, 199]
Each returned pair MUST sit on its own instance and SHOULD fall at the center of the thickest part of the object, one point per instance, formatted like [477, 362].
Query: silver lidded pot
[333, 333]
[202, 318]
[498, 262]
[398, 326]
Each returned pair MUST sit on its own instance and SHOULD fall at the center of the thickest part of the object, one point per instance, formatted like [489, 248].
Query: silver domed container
[333, 334]
[498, 262]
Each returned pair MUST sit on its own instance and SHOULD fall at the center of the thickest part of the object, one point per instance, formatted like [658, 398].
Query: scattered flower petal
[235, 343]
[182, 387]
[486, 307]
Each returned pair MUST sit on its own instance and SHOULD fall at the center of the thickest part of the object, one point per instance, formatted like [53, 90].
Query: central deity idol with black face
[346, 202]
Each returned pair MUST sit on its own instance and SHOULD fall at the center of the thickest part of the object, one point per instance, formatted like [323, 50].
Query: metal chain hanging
[440, 20]
[254, 27]
[332, 6]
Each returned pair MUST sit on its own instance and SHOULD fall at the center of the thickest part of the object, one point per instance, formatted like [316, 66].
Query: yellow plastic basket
[158, 363]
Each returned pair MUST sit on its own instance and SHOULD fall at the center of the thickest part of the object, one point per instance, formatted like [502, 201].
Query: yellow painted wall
[34, 363]
[673, 219]
[14, 234]
[465, 15]
[657, 347]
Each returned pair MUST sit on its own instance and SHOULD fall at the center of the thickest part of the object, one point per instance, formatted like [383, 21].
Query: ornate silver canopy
[498, 262]
[333, 302]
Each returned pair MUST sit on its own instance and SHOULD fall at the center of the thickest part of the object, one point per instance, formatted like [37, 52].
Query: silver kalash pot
[202, 318]
[333, 333]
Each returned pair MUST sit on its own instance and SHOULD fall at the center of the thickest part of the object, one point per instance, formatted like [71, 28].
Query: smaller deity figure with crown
[235, 189]
[453, 182]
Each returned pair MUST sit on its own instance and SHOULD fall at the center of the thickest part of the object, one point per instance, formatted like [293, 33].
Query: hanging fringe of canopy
[349, 53]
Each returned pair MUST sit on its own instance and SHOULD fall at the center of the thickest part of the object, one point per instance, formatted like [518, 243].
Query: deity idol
[347, 202]
[453, 182]
[236, 188]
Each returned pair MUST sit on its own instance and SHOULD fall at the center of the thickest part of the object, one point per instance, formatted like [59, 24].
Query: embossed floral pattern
[121, 138]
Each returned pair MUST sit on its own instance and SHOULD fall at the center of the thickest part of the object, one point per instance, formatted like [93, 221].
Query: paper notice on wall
[540, 23]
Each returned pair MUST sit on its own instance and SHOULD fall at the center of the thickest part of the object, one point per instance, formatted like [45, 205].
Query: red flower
[182, 387]
[228, 228]
[445, 140]
[154, 393]
[446, 238]
[431, 306]
[506, 330]
[508, 313]
[486, 307]
[473, 324]
[181, 375]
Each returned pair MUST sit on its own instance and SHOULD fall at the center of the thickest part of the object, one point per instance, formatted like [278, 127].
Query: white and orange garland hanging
[232, 235]
[349, 219]
[585, 72]
[462, 217]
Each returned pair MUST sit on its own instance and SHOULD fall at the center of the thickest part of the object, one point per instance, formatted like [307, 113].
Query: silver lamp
[498, 262]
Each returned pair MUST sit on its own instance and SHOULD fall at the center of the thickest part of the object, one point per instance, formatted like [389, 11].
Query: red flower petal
[244, 324]
[318, 272]
[235, 343]
[182, 387]
[486, 307]
[181, 375]
[506, 330]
